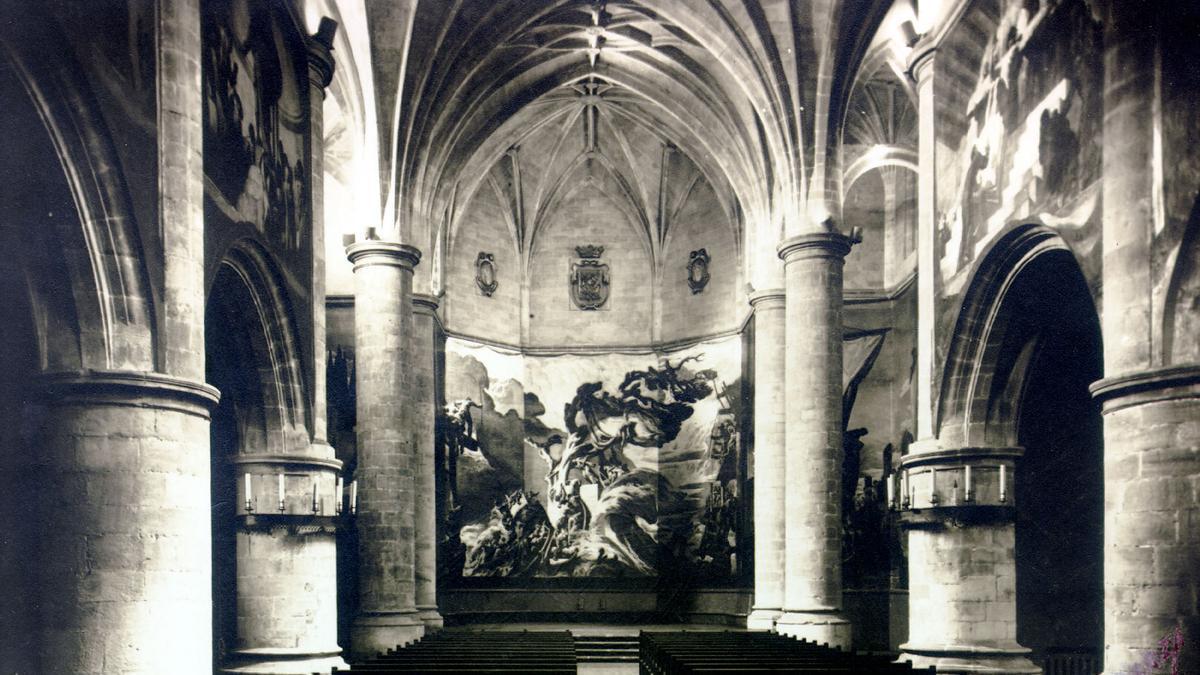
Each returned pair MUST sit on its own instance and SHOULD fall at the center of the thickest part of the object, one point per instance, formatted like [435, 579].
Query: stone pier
[812, 604]
[424, 411]
[383, 328]
[124, 524]
[769, 458]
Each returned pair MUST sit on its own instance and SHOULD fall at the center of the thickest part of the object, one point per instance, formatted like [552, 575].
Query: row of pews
[479, 652]
[680, 653]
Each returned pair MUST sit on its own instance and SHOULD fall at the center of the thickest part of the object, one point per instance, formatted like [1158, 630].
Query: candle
[353, 496]
[249, 494]
[280, 490]
[904, 487]
[932, 484]
[314, 503]
[1003, 492]
[340, 494]
[967, 488]
[891, 481]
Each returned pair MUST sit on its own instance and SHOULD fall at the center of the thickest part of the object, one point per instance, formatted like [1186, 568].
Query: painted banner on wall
[608, 465]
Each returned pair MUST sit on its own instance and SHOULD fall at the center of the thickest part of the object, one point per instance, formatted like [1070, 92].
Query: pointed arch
[980, 392]
[247, 289]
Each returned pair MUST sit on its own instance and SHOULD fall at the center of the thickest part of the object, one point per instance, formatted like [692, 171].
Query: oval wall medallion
[698, 270]
[485, 273]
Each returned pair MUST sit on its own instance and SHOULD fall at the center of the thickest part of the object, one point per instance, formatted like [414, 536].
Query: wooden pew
[663, 653]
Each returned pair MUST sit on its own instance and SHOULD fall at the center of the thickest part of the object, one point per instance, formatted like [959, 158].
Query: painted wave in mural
[641, 476]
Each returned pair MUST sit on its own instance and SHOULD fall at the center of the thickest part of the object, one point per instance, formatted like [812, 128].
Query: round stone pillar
[424, 410]
[286, 565]
[122, 508]
[957, 506]
[769, 464]
[812, 602]
[1151, 520]
[385, 518]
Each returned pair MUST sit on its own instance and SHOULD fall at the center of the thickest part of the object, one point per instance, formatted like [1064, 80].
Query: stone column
[962, 599]
[180, 190]
[1151, 407]
[424, 410]
[769, 464]
[1151, 517]
[123, 513]
[320, 74]
[813, 481]
[920, 67]
[383, 326]
[286, 565]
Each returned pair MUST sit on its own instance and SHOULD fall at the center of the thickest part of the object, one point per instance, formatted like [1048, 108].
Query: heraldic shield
[589, 278]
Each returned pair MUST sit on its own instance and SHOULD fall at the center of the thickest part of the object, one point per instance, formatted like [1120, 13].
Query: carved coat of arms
[589, 278]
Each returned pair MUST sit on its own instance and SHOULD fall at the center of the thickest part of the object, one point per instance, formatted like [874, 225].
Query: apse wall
[589, 216]
[698, 229]
[495, 317]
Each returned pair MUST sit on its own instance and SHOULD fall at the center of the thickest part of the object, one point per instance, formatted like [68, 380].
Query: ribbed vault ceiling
[744, 88]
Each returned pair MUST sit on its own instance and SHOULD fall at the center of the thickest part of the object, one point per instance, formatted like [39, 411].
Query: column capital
[424, 303]
[130, 388]
[375, 252]
[768, 297]
[320, 58]
[1156, 384]
[815, 245]
[919, 64]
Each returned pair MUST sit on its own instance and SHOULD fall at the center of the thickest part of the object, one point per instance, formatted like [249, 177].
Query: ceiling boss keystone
[589, 278]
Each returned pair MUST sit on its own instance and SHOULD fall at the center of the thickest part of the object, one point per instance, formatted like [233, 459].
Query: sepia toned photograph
[607, 337]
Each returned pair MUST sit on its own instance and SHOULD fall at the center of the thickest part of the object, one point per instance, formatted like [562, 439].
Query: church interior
[332, 327]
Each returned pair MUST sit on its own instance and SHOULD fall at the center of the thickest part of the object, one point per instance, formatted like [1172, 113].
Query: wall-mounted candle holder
[985, 476]
[276, 480]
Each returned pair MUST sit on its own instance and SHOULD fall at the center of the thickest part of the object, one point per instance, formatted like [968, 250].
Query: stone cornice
[959, 456]
[127, 388]
[301, 461]
[585, 350]
[1157, 384]
[868, 296]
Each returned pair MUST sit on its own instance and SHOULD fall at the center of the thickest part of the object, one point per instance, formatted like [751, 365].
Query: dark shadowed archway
[1026, 347]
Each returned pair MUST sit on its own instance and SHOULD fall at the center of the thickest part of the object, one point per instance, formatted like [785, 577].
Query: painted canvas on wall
[606, 465]
[1025, 131]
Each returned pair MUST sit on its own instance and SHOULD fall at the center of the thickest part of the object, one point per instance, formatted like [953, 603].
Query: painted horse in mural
[650, 409]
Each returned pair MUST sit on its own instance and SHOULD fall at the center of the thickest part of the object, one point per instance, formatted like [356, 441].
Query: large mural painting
[599, 466]
[1019, 136]
[256, 125]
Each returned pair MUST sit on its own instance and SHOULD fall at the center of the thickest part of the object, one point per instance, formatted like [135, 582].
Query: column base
[429, 616]
[373, 634]
[763, 619]
[270, 661]
[969, 659]
[819, 627]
